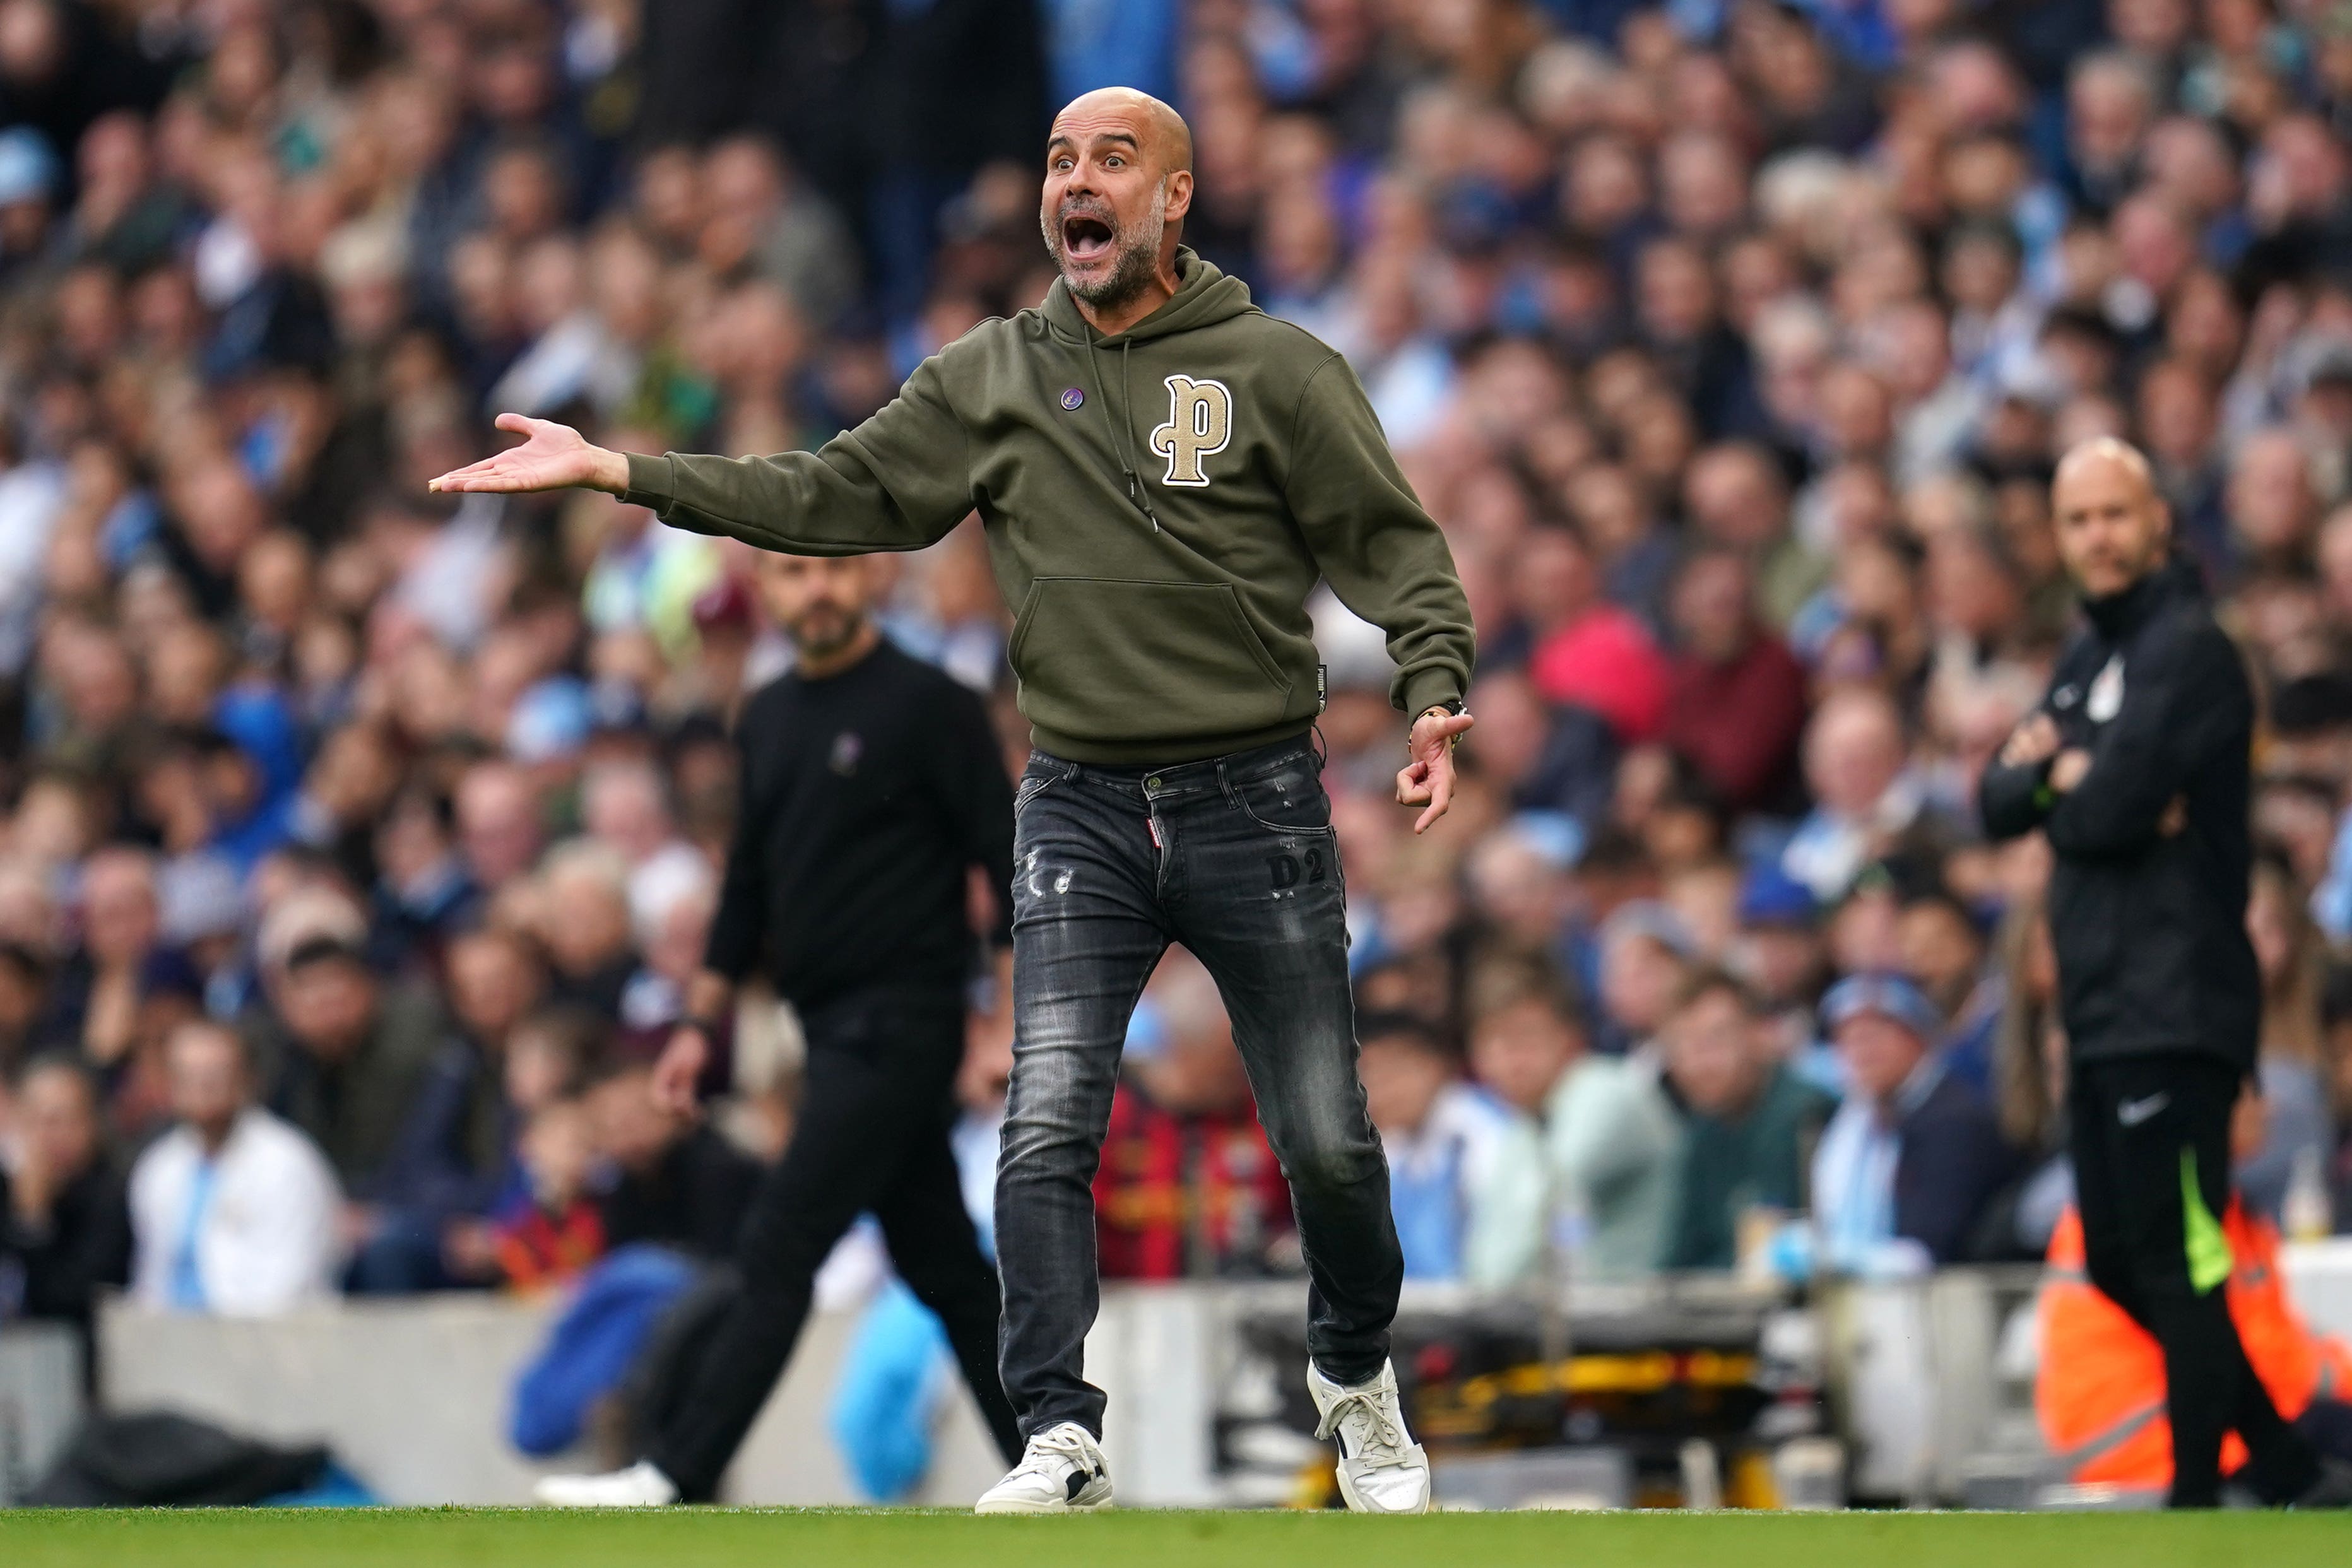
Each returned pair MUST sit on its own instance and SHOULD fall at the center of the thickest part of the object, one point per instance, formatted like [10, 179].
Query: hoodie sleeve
[1380, 552]
[2183, 696]
[898, 481]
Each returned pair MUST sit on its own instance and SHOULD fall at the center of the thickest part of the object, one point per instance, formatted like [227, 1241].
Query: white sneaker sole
[1357, 1504]
[1018, 1505]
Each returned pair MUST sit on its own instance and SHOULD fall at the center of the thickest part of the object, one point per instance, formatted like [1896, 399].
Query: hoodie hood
[1203, 296]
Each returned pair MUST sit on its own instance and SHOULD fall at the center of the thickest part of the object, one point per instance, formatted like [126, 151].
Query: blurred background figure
[232, 1211]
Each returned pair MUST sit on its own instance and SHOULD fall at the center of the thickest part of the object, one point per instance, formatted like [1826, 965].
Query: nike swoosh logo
[2132, 1112]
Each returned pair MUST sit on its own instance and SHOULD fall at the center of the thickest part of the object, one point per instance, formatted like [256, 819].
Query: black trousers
[2151, 1146]
[871, 1136]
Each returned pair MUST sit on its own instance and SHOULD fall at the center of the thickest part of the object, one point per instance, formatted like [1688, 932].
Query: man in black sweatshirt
[2136, 766]
[1164, 472]
[872, 785]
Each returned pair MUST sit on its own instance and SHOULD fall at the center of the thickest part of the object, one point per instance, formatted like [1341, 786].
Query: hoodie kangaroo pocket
[1115, 661]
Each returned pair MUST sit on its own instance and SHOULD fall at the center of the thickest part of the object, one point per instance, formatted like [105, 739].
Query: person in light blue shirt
[1914, 1156]
[1465, 1170]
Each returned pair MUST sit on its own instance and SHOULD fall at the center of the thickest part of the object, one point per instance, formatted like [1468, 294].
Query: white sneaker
[1062, 1472]
[639, 1486]
[1381, 1468]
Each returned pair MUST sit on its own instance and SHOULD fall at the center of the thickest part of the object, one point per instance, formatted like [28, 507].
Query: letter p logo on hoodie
[1199, 423]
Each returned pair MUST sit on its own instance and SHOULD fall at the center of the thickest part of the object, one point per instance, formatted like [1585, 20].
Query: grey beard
[1139, 257]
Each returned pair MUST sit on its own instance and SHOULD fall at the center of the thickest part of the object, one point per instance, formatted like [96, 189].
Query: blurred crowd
[356, 843]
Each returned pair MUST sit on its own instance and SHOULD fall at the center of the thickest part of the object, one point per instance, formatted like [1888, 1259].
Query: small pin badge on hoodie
[1071, 399]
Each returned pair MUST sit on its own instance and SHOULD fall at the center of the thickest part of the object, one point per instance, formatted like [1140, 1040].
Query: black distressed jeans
[1235, 858]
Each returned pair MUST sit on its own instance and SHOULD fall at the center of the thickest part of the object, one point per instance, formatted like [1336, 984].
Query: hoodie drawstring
[1122, 438]
[1126, 395]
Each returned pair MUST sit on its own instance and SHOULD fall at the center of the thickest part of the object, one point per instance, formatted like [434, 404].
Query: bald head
[2104, 453]
[2114, 529]
[1164, 140]
[1118, 180]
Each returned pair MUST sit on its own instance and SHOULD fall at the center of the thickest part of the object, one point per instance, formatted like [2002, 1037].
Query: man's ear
[1179, 193]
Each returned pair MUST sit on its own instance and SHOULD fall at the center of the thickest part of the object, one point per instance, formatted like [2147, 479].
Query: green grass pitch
[803, 1537]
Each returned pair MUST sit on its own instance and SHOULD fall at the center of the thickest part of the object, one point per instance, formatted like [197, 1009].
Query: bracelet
[1443, 710]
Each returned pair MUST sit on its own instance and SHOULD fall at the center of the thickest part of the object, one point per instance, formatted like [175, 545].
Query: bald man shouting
[2136, 766]
[1164, 473]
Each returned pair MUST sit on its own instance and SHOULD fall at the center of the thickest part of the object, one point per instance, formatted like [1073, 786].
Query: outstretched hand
[551, 458]
[1427, 778]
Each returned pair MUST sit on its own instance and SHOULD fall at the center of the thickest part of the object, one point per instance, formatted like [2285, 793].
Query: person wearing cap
[1777, 948]
[2136, 769]
[1913, 1155]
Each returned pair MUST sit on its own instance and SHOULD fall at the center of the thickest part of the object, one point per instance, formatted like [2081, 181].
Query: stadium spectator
[1611, 1138]
[1908, 1163]
[1587, 653]
[1736, 706]
[2298, 1119]
[668, 1178]
[232, 1211]
[1184, 1142]
[27, 1021]
[348, 1059]
[547, 1234]
[1749, 1122]
[1854, 764]
[121, 930]
[1642, 948]
[1944, 953]
[65, 1233]
[1465, 1173]
[581, 917]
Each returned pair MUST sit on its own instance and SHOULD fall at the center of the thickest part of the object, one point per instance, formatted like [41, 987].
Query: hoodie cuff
[653, 482]
[1428, 688]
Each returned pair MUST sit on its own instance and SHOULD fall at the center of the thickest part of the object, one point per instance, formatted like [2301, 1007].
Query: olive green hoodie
[1159, 504]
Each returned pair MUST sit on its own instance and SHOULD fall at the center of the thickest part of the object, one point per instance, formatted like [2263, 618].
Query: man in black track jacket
[2136, 765]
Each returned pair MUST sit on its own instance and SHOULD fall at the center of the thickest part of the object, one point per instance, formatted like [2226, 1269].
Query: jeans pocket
[1033, 784]
[1288, 802]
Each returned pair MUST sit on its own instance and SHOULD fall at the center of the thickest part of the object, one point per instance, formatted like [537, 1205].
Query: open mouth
[1084, 238]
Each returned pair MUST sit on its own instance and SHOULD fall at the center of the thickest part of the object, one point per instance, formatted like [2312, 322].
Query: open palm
[553, 457]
